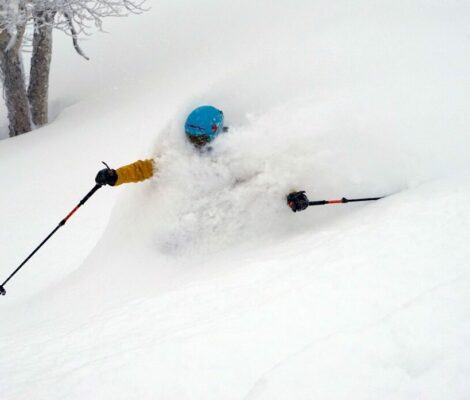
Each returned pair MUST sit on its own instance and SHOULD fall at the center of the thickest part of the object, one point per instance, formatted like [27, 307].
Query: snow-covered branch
[13, 16]
[86, 15]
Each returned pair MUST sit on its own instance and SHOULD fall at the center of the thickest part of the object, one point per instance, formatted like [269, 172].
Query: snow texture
[201, 283]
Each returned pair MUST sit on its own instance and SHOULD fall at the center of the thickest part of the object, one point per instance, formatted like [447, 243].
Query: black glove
[297, 201]
[107, 176]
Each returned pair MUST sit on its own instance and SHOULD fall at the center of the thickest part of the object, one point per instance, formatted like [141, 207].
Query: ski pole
[298, 201]
[61, 223]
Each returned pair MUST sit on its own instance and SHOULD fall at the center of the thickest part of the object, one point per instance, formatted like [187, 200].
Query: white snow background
[201, 283]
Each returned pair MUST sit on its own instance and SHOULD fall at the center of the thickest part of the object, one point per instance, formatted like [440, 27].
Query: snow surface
[201, 283]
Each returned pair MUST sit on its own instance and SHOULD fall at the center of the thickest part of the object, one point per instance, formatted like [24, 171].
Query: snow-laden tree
[27, 102]
[13, 20]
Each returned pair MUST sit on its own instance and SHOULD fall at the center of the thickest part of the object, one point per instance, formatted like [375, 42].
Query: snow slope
[201, 284]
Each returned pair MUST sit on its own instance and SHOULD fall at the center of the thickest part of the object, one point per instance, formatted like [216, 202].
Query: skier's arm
[136, 172]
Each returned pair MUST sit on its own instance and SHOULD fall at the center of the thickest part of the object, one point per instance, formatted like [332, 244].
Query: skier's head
[203, 125]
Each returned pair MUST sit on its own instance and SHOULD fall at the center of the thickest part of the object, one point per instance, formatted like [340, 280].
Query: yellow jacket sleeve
[135, 172]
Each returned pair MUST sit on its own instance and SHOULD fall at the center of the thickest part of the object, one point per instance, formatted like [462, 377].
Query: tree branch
[74, 37]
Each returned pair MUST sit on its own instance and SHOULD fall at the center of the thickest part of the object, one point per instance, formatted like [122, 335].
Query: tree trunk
[16, 98]
[38, 90]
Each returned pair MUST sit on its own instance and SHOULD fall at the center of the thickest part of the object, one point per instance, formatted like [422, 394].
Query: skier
[202, 126]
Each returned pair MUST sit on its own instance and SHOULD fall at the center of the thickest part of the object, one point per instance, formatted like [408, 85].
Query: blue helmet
[204, 124]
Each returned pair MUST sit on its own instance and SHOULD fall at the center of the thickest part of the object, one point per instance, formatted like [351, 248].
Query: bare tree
[27, 102]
